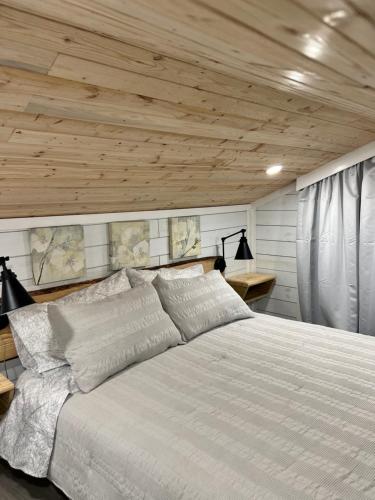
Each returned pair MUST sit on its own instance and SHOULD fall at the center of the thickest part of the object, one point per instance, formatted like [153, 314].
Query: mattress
[263, 408]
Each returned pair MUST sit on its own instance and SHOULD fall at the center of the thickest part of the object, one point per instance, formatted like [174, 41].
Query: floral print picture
[129, 244]
[57, 253]
[184, 237]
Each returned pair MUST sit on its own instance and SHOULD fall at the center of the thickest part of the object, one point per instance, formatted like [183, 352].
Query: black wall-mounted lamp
[13, 294]
[243, 251]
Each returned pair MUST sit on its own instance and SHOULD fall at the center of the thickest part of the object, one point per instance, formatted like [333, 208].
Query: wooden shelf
[252, 286]
[6, 393]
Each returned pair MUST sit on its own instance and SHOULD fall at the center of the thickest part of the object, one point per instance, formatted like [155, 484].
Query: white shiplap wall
[15, 243]
[276, 253]
[217, 222]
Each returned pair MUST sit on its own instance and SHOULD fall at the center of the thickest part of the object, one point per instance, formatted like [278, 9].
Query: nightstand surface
[6, 393]
[251, 279]
[252, 286]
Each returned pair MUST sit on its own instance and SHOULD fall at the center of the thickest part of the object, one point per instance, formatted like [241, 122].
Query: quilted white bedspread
[260, 409]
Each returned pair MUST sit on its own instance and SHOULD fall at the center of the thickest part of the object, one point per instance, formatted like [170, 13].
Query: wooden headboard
[7, 347]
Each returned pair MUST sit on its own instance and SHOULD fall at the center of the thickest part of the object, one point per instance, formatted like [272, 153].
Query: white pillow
[138, 277]
[197, 305]
[32, 331]
[171, 273]
[103, 338]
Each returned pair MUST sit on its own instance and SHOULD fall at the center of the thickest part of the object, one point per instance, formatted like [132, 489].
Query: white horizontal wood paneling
[276, 248]
[277, 217]
[283, 202]
[276, 253]
[213, 237]
[274, 195]
[276, 263]
[214, 224]
[279, 307]
[283, 233]
[282, 292]
[284, 278]
[89, 219]
[95, 235]
[223, 221]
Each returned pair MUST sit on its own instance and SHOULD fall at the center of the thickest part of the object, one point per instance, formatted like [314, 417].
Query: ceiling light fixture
[314, 46]
[335, 18]
[275, 169]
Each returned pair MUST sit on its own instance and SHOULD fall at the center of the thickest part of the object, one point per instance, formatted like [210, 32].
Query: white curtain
[336, 250]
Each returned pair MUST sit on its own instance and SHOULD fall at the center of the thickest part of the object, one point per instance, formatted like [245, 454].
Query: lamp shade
[243, 250]
[13, 294]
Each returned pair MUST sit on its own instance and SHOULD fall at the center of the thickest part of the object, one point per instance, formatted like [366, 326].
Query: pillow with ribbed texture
[197, 305]
[139, 276]
[32, 331]
[172, 273]
[101, 339]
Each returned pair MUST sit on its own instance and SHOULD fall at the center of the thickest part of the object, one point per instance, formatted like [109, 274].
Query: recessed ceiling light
[334, 18]
[275, 169]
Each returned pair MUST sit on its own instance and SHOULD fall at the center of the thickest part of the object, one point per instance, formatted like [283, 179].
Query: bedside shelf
[6, 394]
[252, 286]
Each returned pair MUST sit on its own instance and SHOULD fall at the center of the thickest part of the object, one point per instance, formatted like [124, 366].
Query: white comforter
[259, 409]
[28, 429]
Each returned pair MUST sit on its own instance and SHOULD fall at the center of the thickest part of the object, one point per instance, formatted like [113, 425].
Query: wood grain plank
[37, 32]
[20, 55]
[190, 28]
[48, 94]
[351, 19]
[101, 75]
[146, 140]
[5, 133]
[297, 28]
[143, 105]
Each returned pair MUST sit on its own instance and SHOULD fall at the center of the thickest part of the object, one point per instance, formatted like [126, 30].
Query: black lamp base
[220, 264]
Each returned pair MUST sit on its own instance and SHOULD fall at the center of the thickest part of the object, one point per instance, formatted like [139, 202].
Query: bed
[262, 408]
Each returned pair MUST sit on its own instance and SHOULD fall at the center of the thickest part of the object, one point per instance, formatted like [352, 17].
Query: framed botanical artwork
[57, 253]
[184, 237]
[129, 244]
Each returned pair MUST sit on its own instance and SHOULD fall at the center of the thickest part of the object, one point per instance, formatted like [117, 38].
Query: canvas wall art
[57, 253]
[129, 244]
[184, 237]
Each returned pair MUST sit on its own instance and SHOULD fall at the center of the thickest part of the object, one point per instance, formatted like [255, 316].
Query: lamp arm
[243, 231]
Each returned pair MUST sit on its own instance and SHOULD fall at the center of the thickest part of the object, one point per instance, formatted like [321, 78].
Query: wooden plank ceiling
[116, 105]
